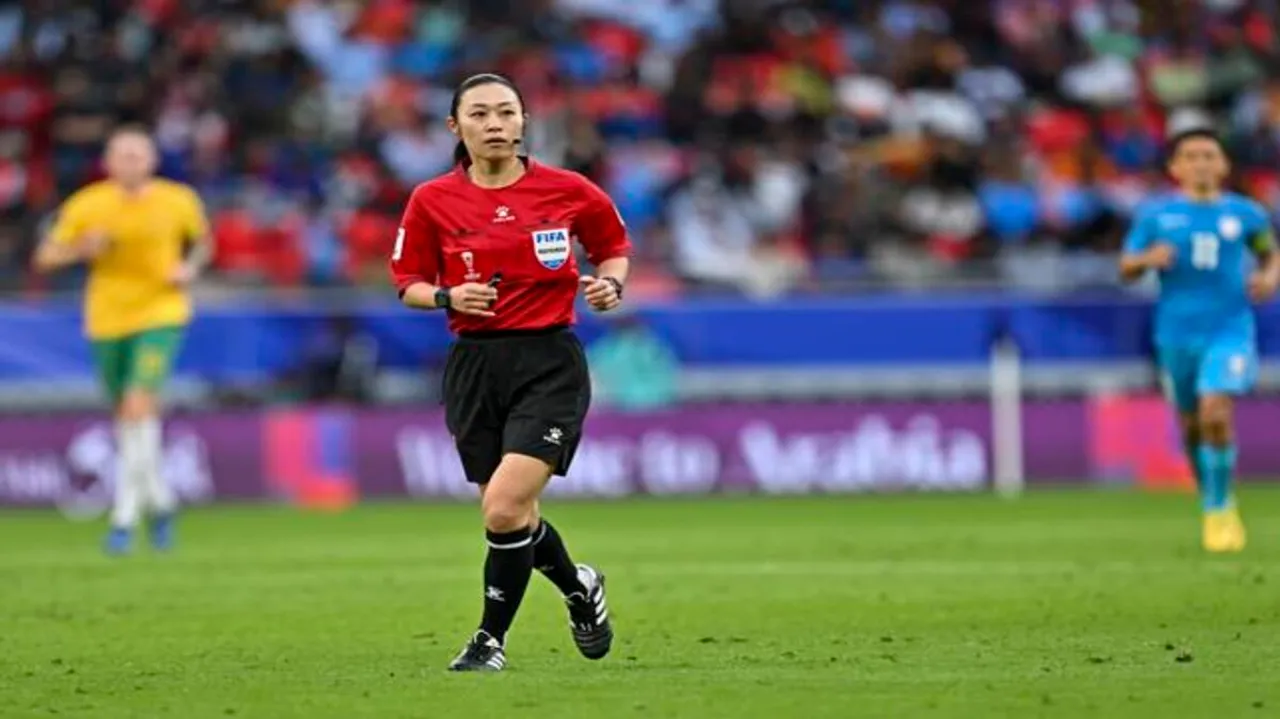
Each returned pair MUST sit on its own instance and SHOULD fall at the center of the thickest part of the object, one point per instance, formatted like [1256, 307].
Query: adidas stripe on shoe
[589, 615]
[483, 653]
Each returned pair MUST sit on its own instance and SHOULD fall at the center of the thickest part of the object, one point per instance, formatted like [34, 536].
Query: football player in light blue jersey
[1215, 254]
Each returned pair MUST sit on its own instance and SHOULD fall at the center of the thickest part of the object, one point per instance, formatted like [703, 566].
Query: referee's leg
[510, 506]
[546, 423]
[582, 586]
[538, 436]
[508, 502]
[475, 412]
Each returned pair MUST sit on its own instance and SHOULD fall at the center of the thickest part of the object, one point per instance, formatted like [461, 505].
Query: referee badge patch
[551, 247]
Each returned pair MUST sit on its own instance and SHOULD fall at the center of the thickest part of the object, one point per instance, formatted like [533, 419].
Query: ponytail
[460, 154]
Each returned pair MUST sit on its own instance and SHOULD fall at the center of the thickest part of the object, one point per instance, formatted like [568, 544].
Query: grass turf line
[1063, 604]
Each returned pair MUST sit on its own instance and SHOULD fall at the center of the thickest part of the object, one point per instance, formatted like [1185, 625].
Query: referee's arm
[415, 264]
[410, 273]
[469, 299]
[615, 267]
[420, 295]
[603, 235]
[416, 271]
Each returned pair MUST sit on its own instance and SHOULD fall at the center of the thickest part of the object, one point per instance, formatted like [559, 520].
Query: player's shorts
[1218, 366]
[517, 392]
[137, 361]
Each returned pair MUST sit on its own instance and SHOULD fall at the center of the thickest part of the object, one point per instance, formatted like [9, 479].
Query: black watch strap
[442, 298]
[617, 284]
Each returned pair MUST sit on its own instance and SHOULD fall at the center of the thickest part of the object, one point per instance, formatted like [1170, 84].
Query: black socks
[507, 569]
[508, 566]
[552, 559]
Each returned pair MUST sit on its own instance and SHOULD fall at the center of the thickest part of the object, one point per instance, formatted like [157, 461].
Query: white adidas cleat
[483, 653]
[589, 615]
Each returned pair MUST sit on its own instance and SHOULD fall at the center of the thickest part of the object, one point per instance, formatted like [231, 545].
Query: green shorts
[137, 361]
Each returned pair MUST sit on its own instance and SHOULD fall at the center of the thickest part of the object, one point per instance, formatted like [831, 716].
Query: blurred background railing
[272, 346]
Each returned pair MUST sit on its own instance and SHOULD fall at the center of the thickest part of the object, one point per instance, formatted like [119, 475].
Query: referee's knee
[505, 513]
[510, 501]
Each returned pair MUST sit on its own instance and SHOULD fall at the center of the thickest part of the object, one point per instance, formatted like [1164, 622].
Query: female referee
[490, 243]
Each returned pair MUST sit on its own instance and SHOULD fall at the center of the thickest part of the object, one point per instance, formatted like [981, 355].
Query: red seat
[1056, 130]
[368, 237]
[235, 243]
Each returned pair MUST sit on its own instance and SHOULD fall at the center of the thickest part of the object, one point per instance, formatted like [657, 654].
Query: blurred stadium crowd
[759, 145]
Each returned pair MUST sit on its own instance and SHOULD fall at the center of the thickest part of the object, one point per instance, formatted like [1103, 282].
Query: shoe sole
[459, 665]
[485, 669]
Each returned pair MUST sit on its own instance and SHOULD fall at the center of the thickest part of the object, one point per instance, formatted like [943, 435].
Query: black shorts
[522, 392]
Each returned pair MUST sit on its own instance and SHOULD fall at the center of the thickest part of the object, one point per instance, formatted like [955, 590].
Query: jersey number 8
[1204, 250]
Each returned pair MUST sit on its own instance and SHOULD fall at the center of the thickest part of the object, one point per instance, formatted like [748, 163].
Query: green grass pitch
[1063, 604]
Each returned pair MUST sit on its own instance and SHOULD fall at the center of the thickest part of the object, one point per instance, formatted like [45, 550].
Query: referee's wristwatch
[617, 284]
[442, 298]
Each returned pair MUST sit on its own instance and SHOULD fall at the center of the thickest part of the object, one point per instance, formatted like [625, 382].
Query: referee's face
[490, 121]
[130, 159]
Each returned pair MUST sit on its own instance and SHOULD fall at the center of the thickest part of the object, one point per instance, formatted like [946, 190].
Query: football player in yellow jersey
[145, 240]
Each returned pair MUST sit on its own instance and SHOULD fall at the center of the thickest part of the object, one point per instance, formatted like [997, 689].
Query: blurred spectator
[941, 215]
[751, 146]
[716, 245]
[1008, 200]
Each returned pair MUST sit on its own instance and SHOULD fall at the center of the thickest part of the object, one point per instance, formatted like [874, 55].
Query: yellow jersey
[129, 288]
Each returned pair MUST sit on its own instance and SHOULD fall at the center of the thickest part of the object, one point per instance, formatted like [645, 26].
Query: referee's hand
[601, 295]
[473, 298]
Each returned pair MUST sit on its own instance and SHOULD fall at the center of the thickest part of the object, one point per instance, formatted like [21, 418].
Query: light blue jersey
[1204, 324]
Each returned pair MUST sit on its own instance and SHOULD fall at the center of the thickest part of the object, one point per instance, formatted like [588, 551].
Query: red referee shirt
[455, 231]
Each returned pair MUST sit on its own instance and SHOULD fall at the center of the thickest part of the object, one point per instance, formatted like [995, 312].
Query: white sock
[129, 479]
[159, 496]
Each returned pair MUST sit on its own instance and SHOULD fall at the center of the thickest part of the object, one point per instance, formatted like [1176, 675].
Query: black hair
[1175, 142]
[485, 78]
